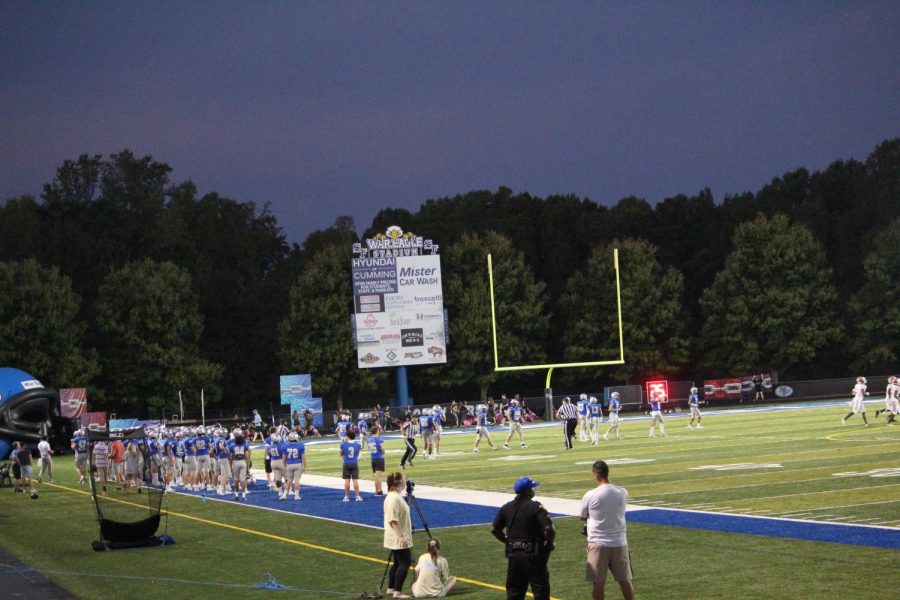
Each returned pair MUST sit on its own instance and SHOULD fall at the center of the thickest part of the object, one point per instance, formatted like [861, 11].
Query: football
[34, 495]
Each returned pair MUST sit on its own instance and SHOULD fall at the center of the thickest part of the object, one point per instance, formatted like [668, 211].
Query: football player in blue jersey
[426, 429]
[514, 414]
[615, 406]
[481, 427]
[275, 458]
[294, 453]
[437, 418]
[223, 465]
[656, 417]
[582, 405]
[694, 403]
[376, 452]
[201, 449]
[190, 462]
[80, 446]
[239, 459]
[350, 459]
[154, 457]
[595, 418]
[362, 430]
[342, 426]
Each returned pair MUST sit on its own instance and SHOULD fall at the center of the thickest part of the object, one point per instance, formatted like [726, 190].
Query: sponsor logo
[398, 320]
[391, 356]
[370, 321]
[435, 351]
[369, 343]
[435, 335]
[783, 391]
[394, 242]
[369, 358]
[390, 337]
[412, 355]
[31, 384]
[428, 317]
[366, 336]
[411, 337]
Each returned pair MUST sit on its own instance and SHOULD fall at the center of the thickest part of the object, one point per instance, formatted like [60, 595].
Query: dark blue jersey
[238, 451]
[293, 453]
[376, 448]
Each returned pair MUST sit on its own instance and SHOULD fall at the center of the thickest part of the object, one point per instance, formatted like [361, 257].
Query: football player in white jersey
[858, 404]
[891, 401]
[614, 407]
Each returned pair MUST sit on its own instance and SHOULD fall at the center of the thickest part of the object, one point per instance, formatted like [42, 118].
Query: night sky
[331, 108]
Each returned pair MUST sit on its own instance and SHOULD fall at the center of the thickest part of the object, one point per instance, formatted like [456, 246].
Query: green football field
[797, 464]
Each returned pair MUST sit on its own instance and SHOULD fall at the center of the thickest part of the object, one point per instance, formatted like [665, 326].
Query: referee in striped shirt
[409, 429]
[569, 412]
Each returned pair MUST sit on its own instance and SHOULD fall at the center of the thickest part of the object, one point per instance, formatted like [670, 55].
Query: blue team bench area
[877, 537]
[327, 503]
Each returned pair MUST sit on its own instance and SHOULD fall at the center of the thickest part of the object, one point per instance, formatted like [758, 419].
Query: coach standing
[524, 526]
[568, 412]
[603, 508]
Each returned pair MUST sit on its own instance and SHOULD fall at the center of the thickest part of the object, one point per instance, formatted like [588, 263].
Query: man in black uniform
[526, 529]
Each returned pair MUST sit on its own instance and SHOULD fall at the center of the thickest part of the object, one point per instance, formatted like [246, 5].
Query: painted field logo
[886, 472]
[737, 467]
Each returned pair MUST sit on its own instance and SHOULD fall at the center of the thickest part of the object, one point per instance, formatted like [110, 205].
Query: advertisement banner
[398, 298]
[94, 421]
[722, 389]
[315, 407]
[72, 402]
[295, 387]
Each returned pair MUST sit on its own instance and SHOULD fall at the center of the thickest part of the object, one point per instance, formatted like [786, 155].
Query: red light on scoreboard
[658, 390]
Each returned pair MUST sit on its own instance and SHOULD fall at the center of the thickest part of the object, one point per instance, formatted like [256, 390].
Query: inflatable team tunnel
[29, 411]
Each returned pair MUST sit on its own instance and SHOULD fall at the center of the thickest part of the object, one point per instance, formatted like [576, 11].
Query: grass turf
[228, 545]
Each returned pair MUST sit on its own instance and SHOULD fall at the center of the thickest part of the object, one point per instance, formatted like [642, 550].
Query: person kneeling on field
[433, 579]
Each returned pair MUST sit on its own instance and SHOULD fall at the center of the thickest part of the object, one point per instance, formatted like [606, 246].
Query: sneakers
[606, 437]
[476, 450]
[296, 496]
[358, 498]
[524, 445]
[506, 446]
[281, 497]
[652, 434]
[346, 499]
[690, 428]
[699, 426]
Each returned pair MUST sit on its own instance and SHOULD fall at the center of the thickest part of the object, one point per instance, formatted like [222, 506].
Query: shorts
[17, 471]
[695, 412]
[601, 559]
[377, 465]
[614, 419]
[27, 470]
[351, 471]
[515, 426]
[267, 463]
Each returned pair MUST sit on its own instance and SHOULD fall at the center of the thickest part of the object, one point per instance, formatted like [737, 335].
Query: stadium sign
[396, 278]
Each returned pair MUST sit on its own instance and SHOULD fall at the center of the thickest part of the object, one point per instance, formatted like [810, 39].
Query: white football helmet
[860, 379]
[435, 409]
[614, 395]
[593, 399]
[583, 396]
[292, 436]
[693, 390]
[513, 402]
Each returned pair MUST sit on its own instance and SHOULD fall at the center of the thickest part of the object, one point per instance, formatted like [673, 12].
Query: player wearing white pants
[614, 407]
[582, 405]
[858, 404]
[656, 418]
[595, 418]
[891, 400]
[694, 402]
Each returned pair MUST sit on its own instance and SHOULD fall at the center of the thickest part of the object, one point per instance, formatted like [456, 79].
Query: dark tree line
[224, 293]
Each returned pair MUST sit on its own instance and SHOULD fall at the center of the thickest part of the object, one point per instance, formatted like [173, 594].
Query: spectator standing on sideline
[569, 414]
[101, 463]
[16, 468]
[758, 387]
[23, 457]
[47, 459]
[603, 510]
[397, 534]
[527, 532]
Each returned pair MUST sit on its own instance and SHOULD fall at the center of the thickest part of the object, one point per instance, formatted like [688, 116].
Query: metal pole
[202, 409]
[180, 407]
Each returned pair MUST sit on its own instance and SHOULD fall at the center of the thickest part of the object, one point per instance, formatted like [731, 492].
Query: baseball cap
[525, 483]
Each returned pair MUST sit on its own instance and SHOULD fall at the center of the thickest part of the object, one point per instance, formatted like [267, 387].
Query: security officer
[526, 529]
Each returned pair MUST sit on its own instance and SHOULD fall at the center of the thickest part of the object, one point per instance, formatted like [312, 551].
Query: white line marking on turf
[619, 461]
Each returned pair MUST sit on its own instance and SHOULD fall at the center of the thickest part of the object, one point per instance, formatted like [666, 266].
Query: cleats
[699, 426]
[358, 498]
[506, 446]
[524, 445]
[346, 499]
[606, 437]
[476, 450]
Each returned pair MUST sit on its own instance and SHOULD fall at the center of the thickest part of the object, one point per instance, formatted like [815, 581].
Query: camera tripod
[413, 502]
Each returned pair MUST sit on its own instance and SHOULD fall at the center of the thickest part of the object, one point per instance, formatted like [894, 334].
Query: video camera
[410, 486]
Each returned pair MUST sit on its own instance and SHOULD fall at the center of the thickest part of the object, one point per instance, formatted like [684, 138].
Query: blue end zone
[798, 530]
[326, 503]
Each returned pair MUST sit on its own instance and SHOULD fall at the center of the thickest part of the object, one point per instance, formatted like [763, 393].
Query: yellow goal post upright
[551, 366]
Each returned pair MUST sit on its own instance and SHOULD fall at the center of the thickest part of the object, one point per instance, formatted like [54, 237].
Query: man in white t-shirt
[603, 510]
[46, 460]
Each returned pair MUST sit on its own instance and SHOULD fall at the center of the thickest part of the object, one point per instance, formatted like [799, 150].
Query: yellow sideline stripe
[270, 536]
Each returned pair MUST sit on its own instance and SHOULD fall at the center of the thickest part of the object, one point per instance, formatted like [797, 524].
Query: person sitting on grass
[433, 579]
